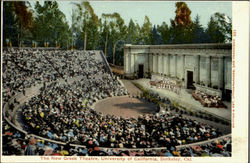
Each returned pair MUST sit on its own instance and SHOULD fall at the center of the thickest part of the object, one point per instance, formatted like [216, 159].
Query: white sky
[157, 11]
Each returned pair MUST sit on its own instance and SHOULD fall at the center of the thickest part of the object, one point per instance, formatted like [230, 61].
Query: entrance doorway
[190, 80]
[140, 73]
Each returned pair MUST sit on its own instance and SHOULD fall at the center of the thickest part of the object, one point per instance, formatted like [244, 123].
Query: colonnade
[161, 64]
[165, 67]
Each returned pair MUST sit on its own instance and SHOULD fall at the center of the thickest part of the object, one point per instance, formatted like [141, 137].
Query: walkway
[132, 89]
[187, 100]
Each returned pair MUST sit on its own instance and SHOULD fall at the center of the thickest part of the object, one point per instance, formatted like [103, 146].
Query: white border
[240, 19]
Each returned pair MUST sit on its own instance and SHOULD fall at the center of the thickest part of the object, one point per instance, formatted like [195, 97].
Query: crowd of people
[23, 69]
[208, 100]
[63, 111]
[17, 143]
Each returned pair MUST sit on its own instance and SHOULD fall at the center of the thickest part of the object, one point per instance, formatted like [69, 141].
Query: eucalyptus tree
[146, 31]
[50, 24]
[115, 30]
[90, 24]
[133, 33]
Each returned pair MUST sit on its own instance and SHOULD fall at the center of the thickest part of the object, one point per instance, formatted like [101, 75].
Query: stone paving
[132, 107]
[132, 89]
[186, 99]
[125, 106]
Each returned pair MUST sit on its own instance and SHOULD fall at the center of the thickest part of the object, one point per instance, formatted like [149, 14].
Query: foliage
[198, 33]
[181, 26]
[146, 32]
[164, 32]
[89, 25]
[115, 30]
[108, 33]
[51, 25]
[183, 15]
[133, 35]
[219, 28]
[156, 37]
[18, 21]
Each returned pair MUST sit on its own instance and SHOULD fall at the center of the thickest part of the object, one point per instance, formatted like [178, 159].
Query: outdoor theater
[70, 101]
[78, 81]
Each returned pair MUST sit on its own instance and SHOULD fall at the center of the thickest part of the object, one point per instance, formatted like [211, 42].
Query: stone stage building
[204, 66]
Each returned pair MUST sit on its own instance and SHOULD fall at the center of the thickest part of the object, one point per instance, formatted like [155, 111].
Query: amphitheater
[58, 102]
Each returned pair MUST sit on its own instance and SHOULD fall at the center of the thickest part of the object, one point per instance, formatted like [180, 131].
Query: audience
[208, 100]
[63, 111]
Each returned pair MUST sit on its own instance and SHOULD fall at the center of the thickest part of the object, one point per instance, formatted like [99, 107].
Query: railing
[106, 63]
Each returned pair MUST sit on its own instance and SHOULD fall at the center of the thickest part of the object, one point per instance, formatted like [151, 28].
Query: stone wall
[210, 64]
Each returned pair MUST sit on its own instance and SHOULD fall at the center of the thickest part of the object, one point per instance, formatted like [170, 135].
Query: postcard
[124, 81]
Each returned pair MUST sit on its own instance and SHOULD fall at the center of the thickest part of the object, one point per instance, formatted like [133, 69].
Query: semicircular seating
[62, 110]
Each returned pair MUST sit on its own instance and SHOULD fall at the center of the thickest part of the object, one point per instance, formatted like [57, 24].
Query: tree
[105, 32]
[115, 29]
[133, 33]
[198, 34]
[214, 33]
[181, 26]
[219, 28]
[164, 32]
[146, 31]
[10, 29]
[51, 25]
[90, 24]
[156, 37]
[139, 36]
[18, 21]
[183, 13]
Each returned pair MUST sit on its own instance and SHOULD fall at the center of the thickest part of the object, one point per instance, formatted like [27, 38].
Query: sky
[157, 11]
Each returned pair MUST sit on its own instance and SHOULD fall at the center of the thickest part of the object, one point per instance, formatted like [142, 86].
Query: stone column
[151, 61]
[154, 63]
[132, 63]
[168, 64]
[128, 63]
[220, 72]
[208, 67]
[163, 64]
[175, 65]
[125, 63]
[135, 63]
[159, 63]
[183, 67]
[197, 78]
